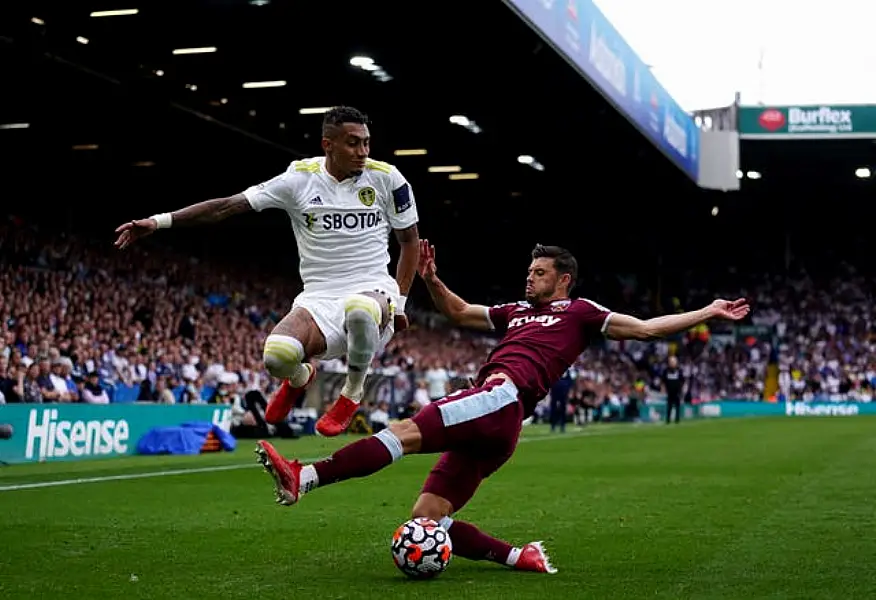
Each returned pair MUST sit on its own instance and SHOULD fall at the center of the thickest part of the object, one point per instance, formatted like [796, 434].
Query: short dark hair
[564, 262]
[340, 115]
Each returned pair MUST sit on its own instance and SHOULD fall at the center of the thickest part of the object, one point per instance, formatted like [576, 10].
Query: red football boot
[336, 419]
[285, 399]
[534, 558]
[286, 473]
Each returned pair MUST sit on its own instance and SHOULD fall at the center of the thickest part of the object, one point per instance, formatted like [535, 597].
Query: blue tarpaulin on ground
[187, 438]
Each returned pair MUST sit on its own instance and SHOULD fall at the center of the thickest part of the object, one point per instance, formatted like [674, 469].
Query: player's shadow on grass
[455, 574]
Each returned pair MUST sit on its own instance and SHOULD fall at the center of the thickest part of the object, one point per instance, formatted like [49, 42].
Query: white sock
[362, 316]
[300, 376]
[354, 386]
[309, 479]
[513, 556]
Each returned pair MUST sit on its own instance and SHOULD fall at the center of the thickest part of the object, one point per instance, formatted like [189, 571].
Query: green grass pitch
[736, 509]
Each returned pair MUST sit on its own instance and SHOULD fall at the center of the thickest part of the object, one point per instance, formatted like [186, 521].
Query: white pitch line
[59, 482]
[129, 476]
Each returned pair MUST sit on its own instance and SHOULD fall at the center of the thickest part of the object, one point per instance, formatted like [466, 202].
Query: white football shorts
[327, 311]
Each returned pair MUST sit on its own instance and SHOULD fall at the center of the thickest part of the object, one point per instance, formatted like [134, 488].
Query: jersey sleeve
[500, 314]
[277, 192]
[594, 317]
[401, 210]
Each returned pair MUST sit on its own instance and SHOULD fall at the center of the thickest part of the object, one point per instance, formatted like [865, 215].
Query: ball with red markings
[421, 548]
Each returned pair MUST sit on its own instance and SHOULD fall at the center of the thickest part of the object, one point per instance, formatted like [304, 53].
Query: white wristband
[400, 305]
[164, 220]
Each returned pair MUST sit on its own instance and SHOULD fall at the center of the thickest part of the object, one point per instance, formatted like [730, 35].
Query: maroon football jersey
[541, 342]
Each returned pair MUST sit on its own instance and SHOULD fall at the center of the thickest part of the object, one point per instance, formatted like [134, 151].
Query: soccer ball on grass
[421, 548]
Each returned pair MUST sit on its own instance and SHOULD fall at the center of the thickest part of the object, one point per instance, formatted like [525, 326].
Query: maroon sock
[472, 543]
[358, 459]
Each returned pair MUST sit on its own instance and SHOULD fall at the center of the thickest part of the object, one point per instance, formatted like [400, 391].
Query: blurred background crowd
[81, 322]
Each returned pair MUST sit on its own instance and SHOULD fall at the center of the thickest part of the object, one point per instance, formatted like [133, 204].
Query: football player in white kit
[342, 207]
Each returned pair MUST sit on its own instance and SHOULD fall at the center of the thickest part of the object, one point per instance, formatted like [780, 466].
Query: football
[421, 548]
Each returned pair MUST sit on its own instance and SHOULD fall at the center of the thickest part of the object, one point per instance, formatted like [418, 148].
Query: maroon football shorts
[477, 430]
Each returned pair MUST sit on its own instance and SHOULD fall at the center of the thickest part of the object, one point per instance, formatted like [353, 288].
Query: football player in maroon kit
[477, 429]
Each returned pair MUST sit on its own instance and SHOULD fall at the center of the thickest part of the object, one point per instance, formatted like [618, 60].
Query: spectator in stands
[163, 393]
[48, 391]
[438, 380]
[176, 327]
[421, 396]
[190, 393]
[70, 384]
[4, 381]
[92, 392]
[28, 384]
[379, 417]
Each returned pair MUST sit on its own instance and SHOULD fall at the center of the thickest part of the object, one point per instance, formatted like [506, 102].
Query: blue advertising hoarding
[655, 410]
[741, 408]
[53, 432]
[579, 30]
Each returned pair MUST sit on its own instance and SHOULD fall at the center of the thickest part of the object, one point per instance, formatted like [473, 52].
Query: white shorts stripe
[478, 405]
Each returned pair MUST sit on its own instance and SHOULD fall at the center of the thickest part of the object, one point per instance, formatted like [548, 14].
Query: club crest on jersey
[560, 305]
[367, 196]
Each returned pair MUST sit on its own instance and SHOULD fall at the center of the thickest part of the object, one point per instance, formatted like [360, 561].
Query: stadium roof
[485, 65]
[112, 107]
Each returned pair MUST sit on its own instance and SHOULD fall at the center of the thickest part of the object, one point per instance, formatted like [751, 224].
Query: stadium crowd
[80, 322]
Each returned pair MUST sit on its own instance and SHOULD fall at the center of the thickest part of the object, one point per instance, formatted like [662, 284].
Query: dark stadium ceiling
[124, 98]
[482, 63]
[474, 59]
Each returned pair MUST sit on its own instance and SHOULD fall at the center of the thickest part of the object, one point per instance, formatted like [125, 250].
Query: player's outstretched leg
[452, 482]
[362, 318]
[359, 459]
[472, 543]
[284, 358]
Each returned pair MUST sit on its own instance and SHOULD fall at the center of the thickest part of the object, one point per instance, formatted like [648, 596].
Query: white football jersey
[341, 228]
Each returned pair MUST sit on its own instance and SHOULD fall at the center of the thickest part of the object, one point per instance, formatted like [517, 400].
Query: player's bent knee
[386, 313]
[282, 355]
[408, 435]
[432, 506]
[359, 307]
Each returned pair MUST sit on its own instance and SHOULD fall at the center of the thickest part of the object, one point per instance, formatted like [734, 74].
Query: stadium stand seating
[157, 326]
